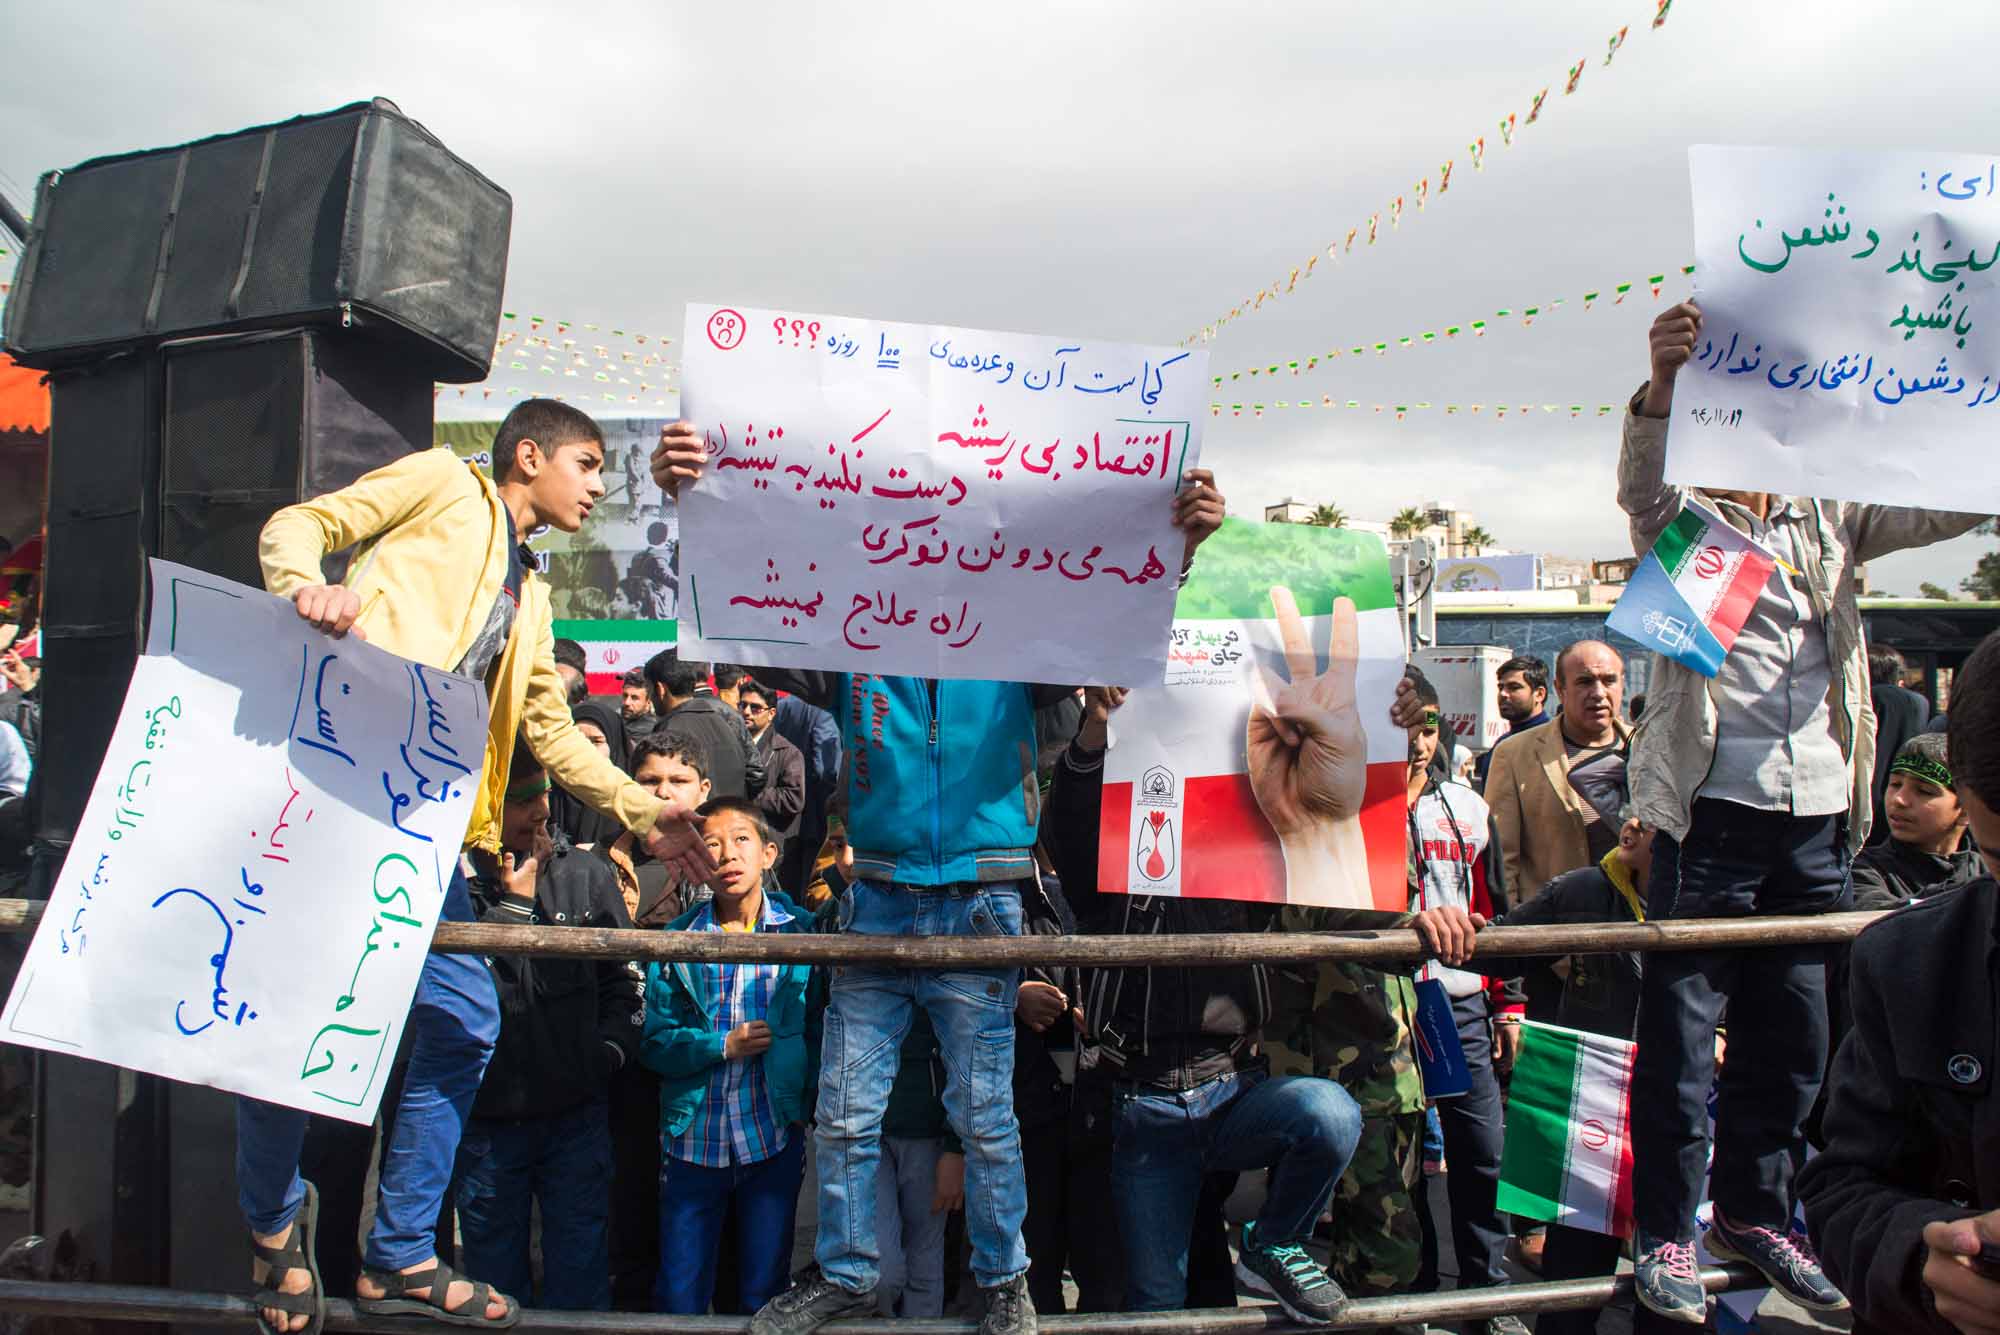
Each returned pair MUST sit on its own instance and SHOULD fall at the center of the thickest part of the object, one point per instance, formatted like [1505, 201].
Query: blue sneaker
[1667, 1279]
[1786, 1259]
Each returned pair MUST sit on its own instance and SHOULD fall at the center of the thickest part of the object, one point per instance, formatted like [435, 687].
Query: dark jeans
[1304, 1129]
[634, 1115]
[561, 1163]
[1070, 1219]
[1735, 862]
[693, 1199]
[1472, 1138]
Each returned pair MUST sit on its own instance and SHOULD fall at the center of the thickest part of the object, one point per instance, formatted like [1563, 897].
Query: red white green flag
[1568, 1155]
[1692, 593]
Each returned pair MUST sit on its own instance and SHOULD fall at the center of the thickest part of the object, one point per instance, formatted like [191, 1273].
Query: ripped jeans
[867, 1016]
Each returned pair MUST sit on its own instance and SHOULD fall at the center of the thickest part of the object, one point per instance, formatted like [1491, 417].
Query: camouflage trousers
[1376, 1243]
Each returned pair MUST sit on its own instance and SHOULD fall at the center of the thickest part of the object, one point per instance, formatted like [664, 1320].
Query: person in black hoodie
[1191, 1092]
[1904, 1201]
[1924, 850]
[539, 1132]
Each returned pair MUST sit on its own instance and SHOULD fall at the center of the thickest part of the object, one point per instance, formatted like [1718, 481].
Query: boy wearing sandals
[439, 576]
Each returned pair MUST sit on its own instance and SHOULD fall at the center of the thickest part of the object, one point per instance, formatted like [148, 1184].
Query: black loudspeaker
[356, 218]
[103, 520]
[183, 453]
[256, 423]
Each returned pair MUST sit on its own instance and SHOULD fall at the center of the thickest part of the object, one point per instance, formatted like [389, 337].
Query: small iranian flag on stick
[1568, 1155]
[1692, 593]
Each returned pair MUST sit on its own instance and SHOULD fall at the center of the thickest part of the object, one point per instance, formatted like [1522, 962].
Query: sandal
[395, 1299]
[294, 1255]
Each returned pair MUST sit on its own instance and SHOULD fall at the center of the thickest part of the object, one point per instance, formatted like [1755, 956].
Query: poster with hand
[264, 856]
[1265, 767]
[1850, 338]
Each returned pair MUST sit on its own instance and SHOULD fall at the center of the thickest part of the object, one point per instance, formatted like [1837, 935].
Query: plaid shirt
[736, 1124]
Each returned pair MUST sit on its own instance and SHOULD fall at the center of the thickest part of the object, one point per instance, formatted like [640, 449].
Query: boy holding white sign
[942, 808]
[1759, 783]
[439, 575]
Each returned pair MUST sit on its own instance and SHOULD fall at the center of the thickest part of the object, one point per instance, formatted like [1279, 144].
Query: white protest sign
[917, 499]
[253, 887]
[1850, 341]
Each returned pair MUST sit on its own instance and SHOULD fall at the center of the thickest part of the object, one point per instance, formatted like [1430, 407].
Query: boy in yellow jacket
[440, 575]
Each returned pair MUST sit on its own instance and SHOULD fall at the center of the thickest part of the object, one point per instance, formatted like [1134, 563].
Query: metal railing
[124, 1302]
[984, 952]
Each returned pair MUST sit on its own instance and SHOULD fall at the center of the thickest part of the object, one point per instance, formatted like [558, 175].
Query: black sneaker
[811, 1302]
[1505, 1325]
[1009, 1310]
[1786, 1259]
[1287, 1272]
[1667, 1279]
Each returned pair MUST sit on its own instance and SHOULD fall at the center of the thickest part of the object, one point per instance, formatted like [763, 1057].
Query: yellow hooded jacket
[431, 557]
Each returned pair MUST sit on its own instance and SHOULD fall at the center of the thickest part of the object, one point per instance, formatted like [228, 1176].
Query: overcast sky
[1110, 170]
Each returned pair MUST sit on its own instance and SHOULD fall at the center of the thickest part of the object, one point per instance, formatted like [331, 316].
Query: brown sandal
[396, 1299]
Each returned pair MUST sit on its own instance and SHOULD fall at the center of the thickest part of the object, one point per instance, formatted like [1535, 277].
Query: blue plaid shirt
[736, 1124]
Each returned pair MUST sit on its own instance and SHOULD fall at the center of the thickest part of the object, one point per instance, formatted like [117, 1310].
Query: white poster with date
[252, 890]
[931, 501]
[1850, 339]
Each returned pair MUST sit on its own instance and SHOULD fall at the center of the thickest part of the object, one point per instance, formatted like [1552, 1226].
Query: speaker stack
[229, 326]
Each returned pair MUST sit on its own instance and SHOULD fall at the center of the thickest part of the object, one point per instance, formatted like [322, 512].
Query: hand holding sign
[1308, 756]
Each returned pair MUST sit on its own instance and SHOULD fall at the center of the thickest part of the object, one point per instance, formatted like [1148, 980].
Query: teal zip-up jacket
[684, 1047]
[940, 775]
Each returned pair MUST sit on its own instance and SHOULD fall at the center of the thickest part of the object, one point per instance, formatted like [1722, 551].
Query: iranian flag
[1568, 1155]
[1692, 593]
[1180, 814]
[613, 648]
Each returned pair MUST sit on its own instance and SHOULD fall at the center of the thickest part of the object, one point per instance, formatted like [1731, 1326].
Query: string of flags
[1615, 294]
[1420, 193]
[1493, 411]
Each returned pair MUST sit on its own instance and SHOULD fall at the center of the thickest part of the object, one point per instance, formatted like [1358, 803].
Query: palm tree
[1329, 516]
[1407, 521]
[1478, 539]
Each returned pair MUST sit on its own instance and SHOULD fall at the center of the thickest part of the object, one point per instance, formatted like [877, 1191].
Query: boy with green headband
[1924, 854]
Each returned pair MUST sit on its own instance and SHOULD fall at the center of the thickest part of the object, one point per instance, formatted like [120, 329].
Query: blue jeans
[454, 1022]
[910, 1233]
[1304, 1129]
[562, 1162]
[1734, 862]
[693, 1202]
[868, 1013]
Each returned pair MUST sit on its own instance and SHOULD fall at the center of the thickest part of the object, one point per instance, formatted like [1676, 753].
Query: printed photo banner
[262, 860]
[1475, 151]
[1203, 797]
[614, 584]
[1850, 341]
[1653, 283]
[939, 502]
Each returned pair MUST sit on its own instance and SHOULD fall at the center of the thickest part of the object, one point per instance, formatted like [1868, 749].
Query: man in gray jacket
[1759, 784]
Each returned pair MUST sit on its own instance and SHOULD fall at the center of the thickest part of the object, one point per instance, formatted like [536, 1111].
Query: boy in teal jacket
[732, 1047]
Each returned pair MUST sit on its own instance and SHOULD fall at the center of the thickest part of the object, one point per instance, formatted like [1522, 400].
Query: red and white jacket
[1451, 850]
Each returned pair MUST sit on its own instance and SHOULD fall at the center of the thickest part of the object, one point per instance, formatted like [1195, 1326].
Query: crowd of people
[575, 1133]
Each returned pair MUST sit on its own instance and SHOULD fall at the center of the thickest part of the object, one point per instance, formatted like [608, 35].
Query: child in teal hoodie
[736, 1047]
